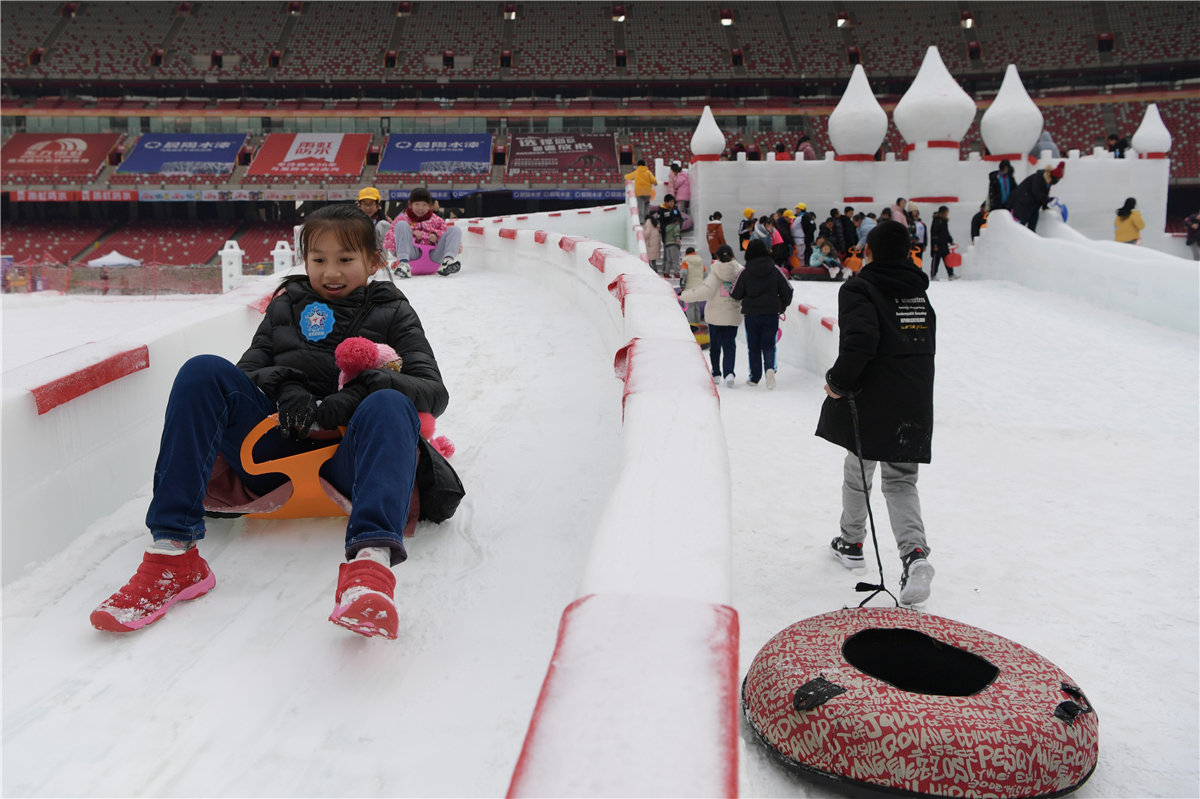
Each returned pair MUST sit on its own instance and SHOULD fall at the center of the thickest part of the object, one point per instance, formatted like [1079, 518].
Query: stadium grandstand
[204, 121]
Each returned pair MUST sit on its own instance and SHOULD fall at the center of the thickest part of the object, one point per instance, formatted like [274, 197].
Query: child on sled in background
[825, 258]
[290, 369]
[419, 224]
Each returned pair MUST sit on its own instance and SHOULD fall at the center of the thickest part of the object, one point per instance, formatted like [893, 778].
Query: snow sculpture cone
[933, 116]
[856, 129]
[909, 703]
[1151, 139]
[1012, 124]
[707, 141]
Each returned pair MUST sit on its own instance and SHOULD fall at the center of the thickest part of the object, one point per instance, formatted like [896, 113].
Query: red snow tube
[904, 702]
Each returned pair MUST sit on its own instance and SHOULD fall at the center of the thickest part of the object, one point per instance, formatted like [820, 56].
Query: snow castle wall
[1093, 187]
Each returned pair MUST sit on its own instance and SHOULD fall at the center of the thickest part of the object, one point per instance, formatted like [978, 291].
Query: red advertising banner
[68, 155]
[110, 195]
[311, 154]
[563, 152]
[49, 196]
[53, 196]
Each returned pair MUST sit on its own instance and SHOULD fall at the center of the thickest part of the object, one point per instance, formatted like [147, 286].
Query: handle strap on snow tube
[1069, 711]
[815, 693]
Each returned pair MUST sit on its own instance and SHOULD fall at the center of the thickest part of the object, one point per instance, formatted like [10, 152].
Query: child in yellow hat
[746, 227]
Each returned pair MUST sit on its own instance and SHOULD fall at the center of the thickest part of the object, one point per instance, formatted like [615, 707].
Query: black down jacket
[762, 288]
[1029, 198]
[281, 353]
[887, 331]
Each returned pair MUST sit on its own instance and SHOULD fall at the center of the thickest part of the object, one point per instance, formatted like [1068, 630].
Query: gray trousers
[643, 201]
[448, 244]
[900, 492]
[671, 259]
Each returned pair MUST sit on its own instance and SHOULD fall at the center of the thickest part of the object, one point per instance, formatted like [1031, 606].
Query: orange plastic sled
[309, 498]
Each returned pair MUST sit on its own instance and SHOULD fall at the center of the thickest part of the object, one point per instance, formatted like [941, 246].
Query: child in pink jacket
[418, 224]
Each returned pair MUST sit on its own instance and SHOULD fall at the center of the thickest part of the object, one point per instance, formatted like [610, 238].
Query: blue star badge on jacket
[316, 321]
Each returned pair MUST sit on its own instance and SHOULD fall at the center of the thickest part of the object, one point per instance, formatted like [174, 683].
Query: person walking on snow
[765, 293]
[291, 362]
[691, 275]
[939, 242]
[643, 188]
[722, 313]
[420, 225]
[886, 331]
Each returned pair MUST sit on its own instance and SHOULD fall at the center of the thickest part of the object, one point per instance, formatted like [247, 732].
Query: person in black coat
[849, 229]
[887, 331]
[978, 221]
[292, 369]
[808, 223]
[940, 241]
[765, 293]
[1028, 199]
[831, 231]
[1001, 185]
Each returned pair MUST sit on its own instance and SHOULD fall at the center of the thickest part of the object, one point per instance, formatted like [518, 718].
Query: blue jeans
[722, 339]
[212, 408]
[760, 340]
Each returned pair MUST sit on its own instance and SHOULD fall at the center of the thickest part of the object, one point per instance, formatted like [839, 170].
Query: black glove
[336, 409]
[297, 409]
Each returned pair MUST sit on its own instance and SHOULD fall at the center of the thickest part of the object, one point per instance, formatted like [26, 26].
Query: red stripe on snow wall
[64, 389]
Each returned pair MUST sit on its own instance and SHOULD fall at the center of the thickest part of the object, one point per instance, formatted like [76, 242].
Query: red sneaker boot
[160, 582]
[364, 599]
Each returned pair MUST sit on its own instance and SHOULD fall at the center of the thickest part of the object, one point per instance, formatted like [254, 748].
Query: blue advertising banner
[436, 153]
[184, 153]
[437, 194]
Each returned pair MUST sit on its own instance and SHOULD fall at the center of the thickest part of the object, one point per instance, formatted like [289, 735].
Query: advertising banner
[48, 196]
[563, 151]
[311, 154]
[568, 194]
[437, 194]
[68, 155]
[295, 194]
[184, 154]
[437, 153]
[110, 195]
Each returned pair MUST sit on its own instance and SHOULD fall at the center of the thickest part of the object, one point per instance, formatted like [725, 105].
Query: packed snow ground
[250, 690]
[1062, 508]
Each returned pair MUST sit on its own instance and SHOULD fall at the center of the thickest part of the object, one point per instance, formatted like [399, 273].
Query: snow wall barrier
[640, 697]
[1139, 281]
[81, 428]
